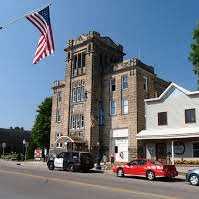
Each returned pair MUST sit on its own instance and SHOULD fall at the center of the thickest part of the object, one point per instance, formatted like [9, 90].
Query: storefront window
[196, 150]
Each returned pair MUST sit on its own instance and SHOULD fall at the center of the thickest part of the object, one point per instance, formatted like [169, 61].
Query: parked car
[71, 161]
[192, 177]
[146, 168]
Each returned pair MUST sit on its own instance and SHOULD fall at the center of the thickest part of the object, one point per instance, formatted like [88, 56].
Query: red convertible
[146, 168]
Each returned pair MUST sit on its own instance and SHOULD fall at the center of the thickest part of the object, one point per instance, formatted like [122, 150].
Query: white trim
[120, 133]
[168, 133]
[64, 136]
[172, 85]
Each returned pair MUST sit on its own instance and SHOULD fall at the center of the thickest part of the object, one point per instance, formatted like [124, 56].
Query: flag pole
[19, 18]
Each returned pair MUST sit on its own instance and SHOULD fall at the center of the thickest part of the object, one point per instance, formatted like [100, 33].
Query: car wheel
[120, 172]
[70, 167]
[150, 175]
[51, 166]
[194, 180]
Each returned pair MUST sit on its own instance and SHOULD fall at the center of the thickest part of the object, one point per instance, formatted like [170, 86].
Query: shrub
[12, 156]
[187, 162]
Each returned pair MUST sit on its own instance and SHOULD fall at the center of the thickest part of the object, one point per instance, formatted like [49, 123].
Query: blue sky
[160, 30]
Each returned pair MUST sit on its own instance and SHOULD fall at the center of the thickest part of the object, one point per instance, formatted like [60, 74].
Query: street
[20, 182]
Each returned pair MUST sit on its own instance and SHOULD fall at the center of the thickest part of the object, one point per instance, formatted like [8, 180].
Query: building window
[82, 121]
[79, 60]
[190, 116]
[83, 59]
[78, 91]
[59, 144]
[77, 121]
[58, 135]
[79, 94]
[68, 56]
[124, 106]
[58, 116]
[196, 150]
[162, 118]
[73, 122]
[124, 82]
[74, 94]
[59, 97]
[112, 85]
[145, 83]
[75, 62]
[113, 107]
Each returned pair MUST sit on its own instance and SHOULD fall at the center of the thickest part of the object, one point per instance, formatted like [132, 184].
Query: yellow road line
[114, 189]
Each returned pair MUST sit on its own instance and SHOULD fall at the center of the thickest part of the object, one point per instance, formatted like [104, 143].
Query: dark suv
[72, 161]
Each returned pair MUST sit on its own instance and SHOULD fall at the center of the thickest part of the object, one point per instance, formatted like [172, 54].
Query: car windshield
[86, 155]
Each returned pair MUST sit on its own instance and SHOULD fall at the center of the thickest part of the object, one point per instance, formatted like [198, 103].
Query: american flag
[45, 46]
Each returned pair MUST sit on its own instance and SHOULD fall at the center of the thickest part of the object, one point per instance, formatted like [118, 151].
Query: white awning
[187, 132]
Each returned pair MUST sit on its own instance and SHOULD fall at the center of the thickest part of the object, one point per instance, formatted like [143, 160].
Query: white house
[172, 125]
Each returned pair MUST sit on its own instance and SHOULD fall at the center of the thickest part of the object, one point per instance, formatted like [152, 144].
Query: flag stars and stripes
[45, 45]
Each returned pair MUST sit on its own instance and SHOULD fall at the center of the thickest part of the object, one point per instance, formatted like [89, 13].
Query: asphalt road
[19, 182]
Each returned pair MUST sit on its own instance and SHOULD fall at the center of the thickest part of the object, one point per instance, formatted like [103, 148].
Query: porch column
[172, 153]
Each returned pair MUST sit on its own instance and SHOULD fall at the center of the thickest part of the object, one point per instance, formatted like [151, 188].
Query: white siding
[174, 104]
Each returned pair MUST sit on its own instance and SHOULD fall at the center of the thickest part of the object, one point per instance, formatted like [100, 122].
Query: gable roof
[168, 89]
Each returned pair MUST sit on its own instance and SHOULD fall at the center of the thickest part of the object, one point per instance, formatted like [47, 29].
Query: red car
[146, 168]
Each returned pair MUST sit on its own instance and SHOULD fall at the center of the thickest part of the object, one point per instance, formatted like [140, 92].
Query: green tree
[194, 54]
[40, 136]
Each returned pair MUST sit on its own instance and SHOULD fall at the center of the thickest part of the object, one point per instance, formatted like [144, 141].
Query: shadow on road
[159, 179]
[90, 171]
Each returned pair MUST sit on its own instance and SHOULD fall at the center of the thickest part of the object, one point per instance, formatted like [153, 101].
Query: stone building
[99, 106]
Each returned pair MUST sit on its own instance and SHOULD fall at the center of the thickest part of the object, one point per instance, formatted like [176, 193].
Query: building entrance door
[121, 145]
[161, 152]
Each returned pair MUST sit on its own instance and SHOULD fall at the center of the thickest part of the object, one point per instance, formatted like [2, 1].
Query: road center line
[64, 182]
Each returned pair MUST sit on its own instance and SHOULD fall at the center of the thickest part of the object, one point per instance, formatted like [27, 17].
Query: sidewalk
[184, 168]
[27, 164]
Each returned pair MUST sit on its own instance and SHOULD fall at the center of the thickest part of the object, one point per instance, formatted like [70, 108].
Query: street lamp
[3, 146]
[26, 144]
[98, 166]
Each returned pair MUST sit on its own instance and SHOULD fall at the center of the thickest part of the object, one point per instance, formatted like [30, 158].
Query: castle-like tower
[99, 106]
